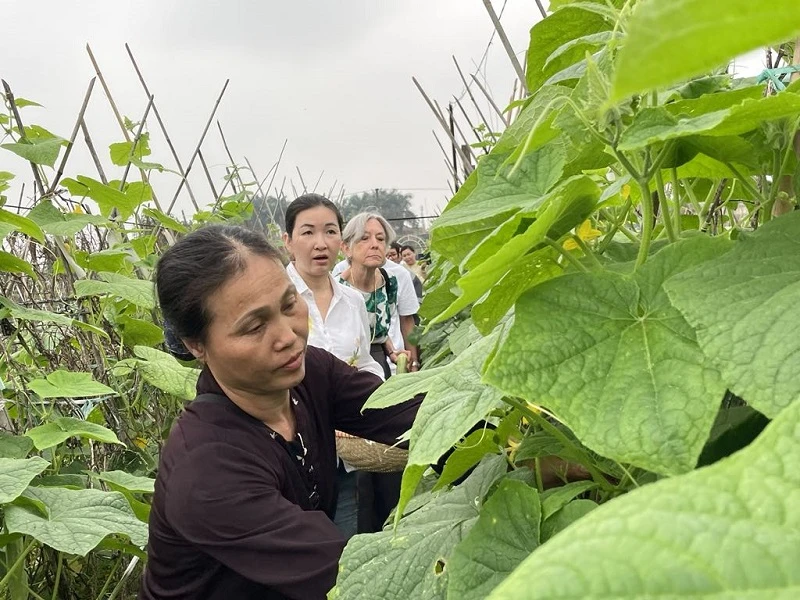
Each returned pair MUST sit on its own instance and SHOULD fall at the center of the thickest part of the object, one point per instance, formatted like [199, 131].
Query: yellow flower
[584, 232]
[140, 442]
[77, 209]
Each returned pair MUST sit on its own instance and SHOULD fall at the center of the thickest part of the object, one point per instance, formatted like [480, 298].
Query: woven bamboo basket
[366, 455]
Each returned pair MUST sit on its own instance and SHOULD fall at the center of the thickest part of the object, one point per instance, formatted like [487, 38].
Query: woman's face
[315, 241]
[370, 250]
[256, 339]
[409, 257]
[392, 255]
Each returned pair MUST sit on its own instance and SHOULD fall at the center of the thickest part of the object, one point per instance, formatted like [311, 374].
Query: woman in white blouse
[338, 315]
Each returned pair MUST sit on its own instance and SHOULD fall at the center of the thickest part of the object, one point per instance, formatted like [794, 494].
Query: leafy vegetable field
[613, 301]
[615, 287]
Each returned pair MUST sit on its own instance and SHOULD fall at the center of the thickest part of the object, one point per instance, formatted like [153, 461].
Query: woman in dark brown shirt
[246, 491]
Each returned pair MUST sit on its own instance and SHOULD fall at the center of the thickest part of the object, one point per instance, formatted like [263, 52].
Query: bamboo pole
[72, 137]
[506, 44]
[471, 96]
[440, 119]
[163, 128]
[199, 143]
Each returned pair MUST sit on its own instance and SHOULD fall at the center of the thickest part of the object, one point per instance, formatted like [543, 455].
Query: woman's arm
[349, 389]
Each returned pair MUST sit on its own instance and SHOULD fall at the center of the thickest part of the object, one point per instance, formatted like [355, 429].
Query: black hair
[396, 247]
[305, 202]
[408, 247]
[194, 268]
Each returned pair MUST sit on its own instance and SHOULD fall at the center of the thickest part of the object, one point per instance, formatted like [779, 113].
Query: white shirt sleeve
[407, 302]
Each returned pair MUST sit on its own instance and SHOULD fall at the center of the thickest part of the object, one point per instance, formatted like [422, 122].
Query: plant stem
[16, 581]
[777, 161]
[539, 484]
[676, 199]
[58, 575]
[665, 216]
[586, 250]
[110, 577]
[746, 183]
[647, 222]
[571, 259]
[579, 454]
[687, 187]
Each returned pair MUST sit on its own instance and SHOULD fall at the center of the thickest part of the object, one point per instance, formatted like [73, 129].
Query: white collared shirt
[344, 332]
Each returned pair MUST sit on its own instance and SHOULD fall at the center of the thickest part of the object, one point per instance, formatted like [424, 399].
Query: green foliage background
[613, 290]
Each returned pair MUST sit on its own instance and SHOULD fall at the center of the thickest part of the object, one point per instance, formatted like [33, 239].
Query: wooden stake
[506, 44]
[197, 148]
[163, 129]
[491, 100]
[74, 135]
[469, 92]
[440, 119]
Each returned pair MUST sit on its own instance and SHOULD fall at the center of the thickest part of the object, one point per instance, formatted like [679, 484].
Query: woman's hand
[393, 354]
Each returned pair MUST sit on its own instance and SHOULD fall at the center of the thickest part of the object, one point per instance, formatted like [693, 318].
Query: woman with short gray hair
[364, 242]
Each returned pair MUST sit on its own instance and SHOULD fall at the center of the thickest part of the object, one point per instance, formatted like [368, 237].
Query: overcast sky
[333, 77]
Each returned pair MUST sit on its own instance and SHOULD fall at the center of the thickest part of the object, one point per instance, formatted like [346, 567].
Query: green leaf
[525, 273]
[24, 224]
[135, 291]
[672, 40]
[616, 362]
[659, 124]
[23, 102]
[43, 316]
[73, 223]
[16, 474]
[551, 34]
[519, 131]
[561, 210]
[69, 384]
[78, 520]
[164, 372]
[751, 336]
[566, 516]
[5, 229]
[108, 198]
[121, 151]
[507, 531]
[61, 429]
[498, 195]
[14, 446]
[165, 220]
[455, 400]
[466, 455]
[12, 264]
[40, 152]
[111, 260]
[126, 481]
[556, 498]
[137, 332]
[414, 558]
[725, 531]
[44, 212]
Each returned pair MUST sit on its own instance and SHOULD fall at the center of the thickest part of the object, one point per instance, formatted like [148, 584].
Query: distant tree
[393, 205]
[269, 211]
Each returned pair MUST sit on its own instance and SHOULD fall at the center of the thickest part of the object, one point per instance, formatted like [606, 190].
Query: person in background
[409, 256]
[364, 242]
[246, 487]
[393, 256]
[393, 252]
[406, 318]
[337, 313]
